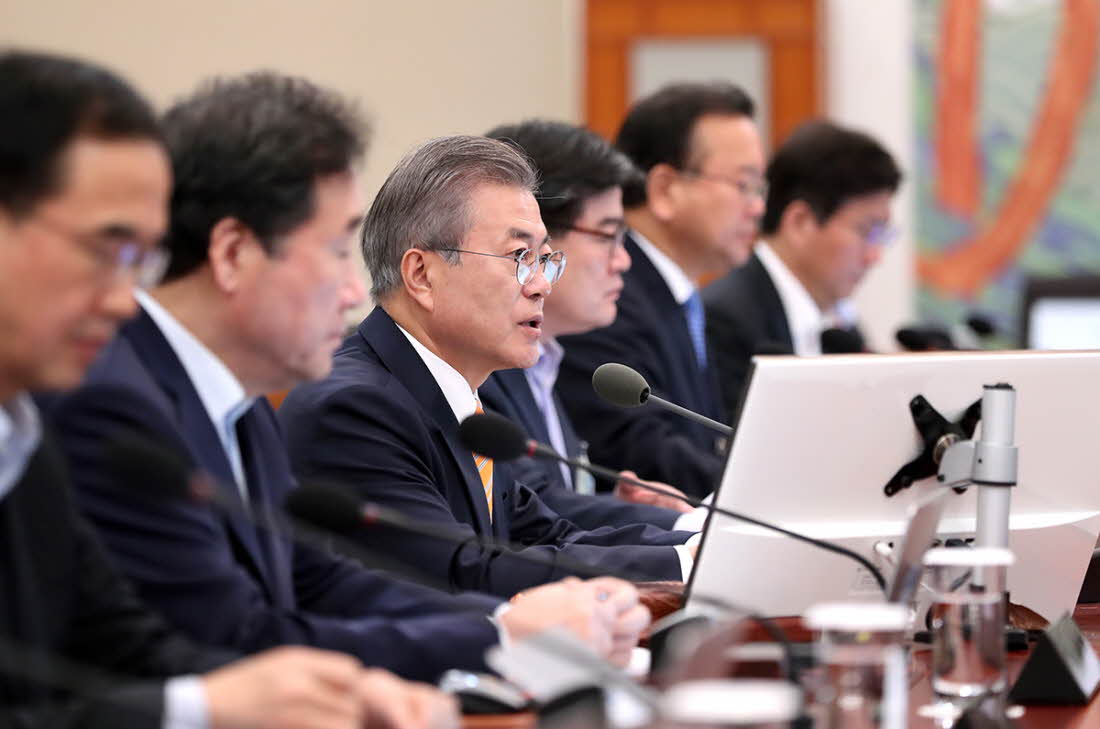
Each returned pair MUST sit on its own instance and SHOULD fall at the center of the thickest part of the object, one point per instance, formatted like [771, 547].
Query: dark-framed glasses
[527, 262]
[611, 237]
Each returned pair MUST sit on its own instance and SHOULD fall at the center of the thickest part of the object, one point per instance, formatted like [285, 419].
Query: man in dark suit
[263, 218]
[580, 201]
[693, 213]
[84, 184]
[825, 224]
[460, 267]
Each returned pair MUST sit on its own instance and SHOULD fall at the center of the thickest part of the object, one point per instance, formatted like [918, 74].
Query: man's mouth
[533, 323]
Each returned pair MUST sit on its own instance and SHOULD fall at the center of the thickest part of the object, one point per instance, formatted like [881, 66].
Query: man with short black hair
[694, 213]
[825, 225]
[84, 184]
[580, 199]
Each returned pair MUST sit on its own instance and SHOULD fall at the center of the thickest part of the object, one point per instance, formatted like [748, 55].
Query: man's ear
[798, 224]
[232, 252]
[419, 276]
[661, 191]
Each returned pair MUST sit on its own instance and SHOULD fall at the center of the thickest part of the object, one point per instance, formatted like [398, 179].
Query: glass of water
[968, 622]
[863, 677]
[730, 703]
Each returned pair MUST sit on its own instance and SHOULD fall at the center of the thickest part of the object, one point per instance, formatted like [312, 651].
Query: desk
[1035, 717]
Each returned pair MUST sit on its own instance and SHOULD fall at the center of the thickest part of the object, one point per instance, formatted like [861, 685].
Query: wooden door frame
[788, 29]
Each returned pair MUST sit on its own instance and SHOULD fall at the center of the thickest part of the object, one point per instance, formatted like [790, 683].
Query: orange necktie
[485, 470]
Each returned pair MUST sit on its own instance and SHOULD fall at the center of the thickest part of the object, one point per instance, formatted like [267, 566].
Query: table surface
[1035, 717]
[920, 694]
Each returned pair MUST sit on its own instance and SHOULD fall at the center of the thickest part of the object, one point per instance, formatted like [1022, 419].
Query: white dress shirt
[218, 388]
[20, 434]
[541, 378]
[804, 319]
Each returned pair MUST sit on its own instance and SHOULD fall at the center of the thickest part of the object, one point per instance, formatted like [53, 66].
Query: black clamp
[938, 435]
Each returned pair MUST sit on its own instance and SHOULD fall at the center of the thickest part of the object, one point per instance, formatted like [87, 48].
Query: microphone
[498, 437]
[339, 510]
[973, 333]
[133, 458]
[836, 340]
[770, 346]
[624, 386]
[924, 339]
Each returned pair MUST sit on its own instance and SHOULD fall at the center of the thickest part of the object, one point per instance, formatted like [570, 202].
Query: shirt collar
[218, 388]
[460, 397]
[804, 318]
[20, 434]
[544, 373]
[678, 282]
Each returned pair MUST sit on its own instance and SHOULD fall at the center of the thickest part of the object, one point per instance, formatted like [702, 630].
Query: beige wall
[423, 68]
[420, 68]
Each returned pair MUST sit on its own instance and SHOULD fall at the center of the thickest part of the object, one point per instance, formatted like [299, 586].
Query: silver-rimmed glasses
[527, 262]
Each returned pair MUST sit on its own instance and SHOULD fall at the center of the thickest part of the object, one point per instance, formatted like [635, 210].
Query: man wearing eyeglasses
[461, 266]
[825, 225]
[580, 201]
[694, 213]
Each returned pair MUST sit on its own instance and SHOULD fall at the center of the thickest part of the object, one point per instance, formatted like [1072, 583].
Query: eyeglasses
[527, 262]
[746, 188]
[615, 238]
[879, 235]
[115, 258]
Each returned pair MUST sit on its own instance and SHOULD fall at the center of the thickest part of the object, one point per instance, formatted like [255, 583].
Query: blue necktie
[696, 321]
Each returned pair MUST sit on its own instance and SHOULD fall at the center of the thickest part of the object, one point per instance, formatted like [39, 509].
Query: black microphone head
[144, 467]
[924, 339]
[329, 507]
[493, 435]
[770, 346]
[836, 340]
[620, 385]
[981, 325]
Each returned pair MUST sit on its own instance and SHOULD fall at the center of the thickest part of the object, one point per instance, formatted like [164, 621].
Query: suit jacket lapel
[572, 440]
[518, 390]
[673, 325]
[380, 334]
[263, 472]
[198, 432]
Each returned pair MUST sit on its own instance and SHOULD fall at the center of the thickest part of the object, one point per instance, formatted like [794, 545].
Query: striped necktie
[485, 470]
[697, 327]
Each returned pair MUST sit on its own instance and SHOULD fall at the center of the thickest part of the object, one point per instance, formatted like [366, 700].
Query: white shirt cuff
[185, 704]
[495, 619]
[692, 521]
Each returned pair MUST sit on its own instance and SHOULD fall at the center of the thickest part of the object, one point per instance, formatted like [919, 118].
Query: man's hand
[631, 617]
[637, 495]
[286, 688]
[604, 613]
[392, 703]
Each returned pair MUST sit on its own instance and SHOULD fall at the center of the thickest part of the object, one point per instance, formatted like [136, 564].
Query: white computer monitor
[1061, 313]
[816, 439]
